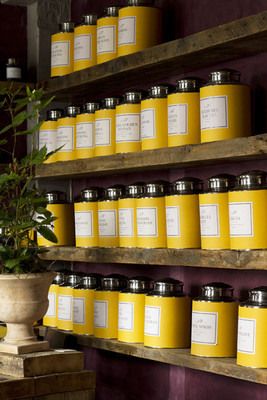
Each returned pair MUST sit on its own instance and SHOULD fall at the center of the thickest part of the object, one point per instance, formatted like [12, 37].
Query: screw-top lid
[89, 19]
[53, 115]
[139, 284]
[112, 11]
[90, 107]
[132, 97]
[140, 2]
[159, 91]
[224, 76]
[90, 194]
[90, 281]
[56, 197]
[59, 278]
[72, 111]
[257, 297]
[11, 61]
[110, 102]
[221, 183]
[189, 84]
[250, 180]
[114, 282]
[216, 291]
[168, 287]
[186, 185]
[66, 26]
[134, 190]
[113, 192]
[72, 280]
[155, 189]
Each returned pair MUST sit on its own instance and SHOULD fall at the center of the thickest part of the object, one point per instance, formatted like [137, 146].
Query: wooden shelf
[240, 38]
[14, 85]
[228, 259]
[180, 358]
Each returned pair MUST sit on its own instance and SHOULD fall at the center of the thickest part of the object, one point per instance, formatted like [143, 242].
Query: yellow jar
[66, 135]
[167, 316]
[252, 330]
[154, 119]
[132, 310]
[63, 226]
[107, 35]
[85, 43]
[50, 318]
[182, 214]
[248, 212]
[48, 133]
[108, 224]
[150, 216]
[214, 214]
[139, 27]
[62, 50]
[225, 109]
[85, 131]
[184, 113]
[86, 218]
[214, 322]
[105, 127]
[65, 302]
[106, 306]
[128, 123]
[127, 215]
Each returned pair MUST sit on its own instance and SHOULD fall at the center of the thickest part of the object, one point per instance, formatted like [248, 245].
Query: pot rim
[29, 275]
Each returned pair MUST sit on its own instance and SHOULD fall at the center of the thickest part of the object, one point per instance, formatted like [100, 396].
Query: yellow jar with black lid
[66, 134]
[106, 306]
[85, 43]
[182, 213]
[132, 309]
[65, 302]
[248, 212]
[151, 216]
[167, 315]
[214, 214]
[85, 131]
[48, 133]
[225, 109]
[107, 35]
[214, 322]
[139, 26]
[128, 123]
[50, 318]
[62, 50]
[252, 330]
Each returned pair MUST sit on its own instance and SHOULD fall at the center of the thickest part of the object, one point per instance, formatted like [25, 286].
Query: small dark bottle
[13, 70]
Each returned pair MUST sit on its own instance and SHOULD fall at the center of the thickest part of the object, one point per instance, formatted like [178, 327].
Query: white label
[79, 310]
[241, 219]
[83, 47]
[51, 312]
[152, 320]
[84, 135]
[204, 327]
[84, 223]
[106, 39]
[148, 124]
[147, 218]
[209, 220]
[107, 223]
[173, 221]
[126, 216]
[126, 316]
[100, 314]
[60, 53]
[127, 128]
[64, 308]
[13, 73]
[214, 112]
[127, 31]
[65, 138]
[103, 132]
[246, 336]
[178, 119]
[48, 138]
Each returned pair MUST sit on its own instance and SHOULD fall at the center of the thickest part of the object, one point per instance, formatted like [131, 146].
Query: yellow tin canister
[107, 35]
[108, 224]
[86, 218]
[127, 214]
[65, 302]
[252, 330]
[128, 123]
[85, 43]
[106, 306]
[248, 211]
[167, 316]
[83, 304]
[154, 119]
[85, 131]
[214, 214]
[132, 310]
[182, 214]
[150, 216]
[48, 133]
[63, 226]
[214, 322]
[66, 135]
[184, 113]
[50, 318]
[225, 110]
[139, 26]
[62, 50]
[105, 127]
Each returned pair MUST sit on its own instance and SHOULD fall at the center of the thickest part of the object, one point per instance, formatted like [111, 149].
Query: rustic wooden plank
[14, 388]
[81, 395]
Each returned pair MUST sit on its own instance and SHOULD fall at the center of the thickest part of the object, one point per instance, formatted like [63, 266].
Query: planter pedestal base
[24, 347]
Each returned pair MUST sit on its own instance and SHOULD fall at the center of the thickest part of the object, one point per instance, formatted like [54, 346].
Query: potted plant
[24, 278]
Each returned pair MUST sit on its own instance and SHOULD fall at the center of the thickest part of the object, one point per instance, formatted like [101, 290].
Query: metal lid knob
[216, 291]
[186, 185]
[90, 194]
[55, 197]
[159, 91]
[110, 102]
[112, 11]
[189, 84]
[155, 189]
[53, 115]
[90, 107]
[168, 287]
[139, 284]
[132, 97]
[134, 190]
[89, 19]
[221, 183]
[66, 26]
[224, 76]
[114, 282]
[72, 111]
[250, 180]
[113, 192]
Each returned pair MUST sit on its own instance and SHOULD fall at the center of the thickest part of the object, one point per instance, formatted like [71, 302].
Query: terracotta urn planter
[24, 300]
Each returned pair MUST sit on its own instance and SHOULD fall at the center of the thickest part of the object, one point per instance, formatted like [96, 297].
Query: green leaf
[47, 233]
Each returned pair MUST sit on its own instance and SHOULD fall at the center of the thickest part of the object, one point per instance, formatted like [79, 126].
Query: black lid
[159, 91]
[257, 297]
[90, 281]
[134, 190]
[110, 103]
[168, 287]
[72, 111]
[132, 97]
[189, 84]
[89, 19]
[216, 291]
[113, 192]
[221, 183]
[114, 282]
[66, 26]
[53, 115]
[155, 189]
[186, 185]
[251, 180]
[111, 11]
[225, 75]
[91, 194]
[139, 284]
[90, 107]
[56, 197]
